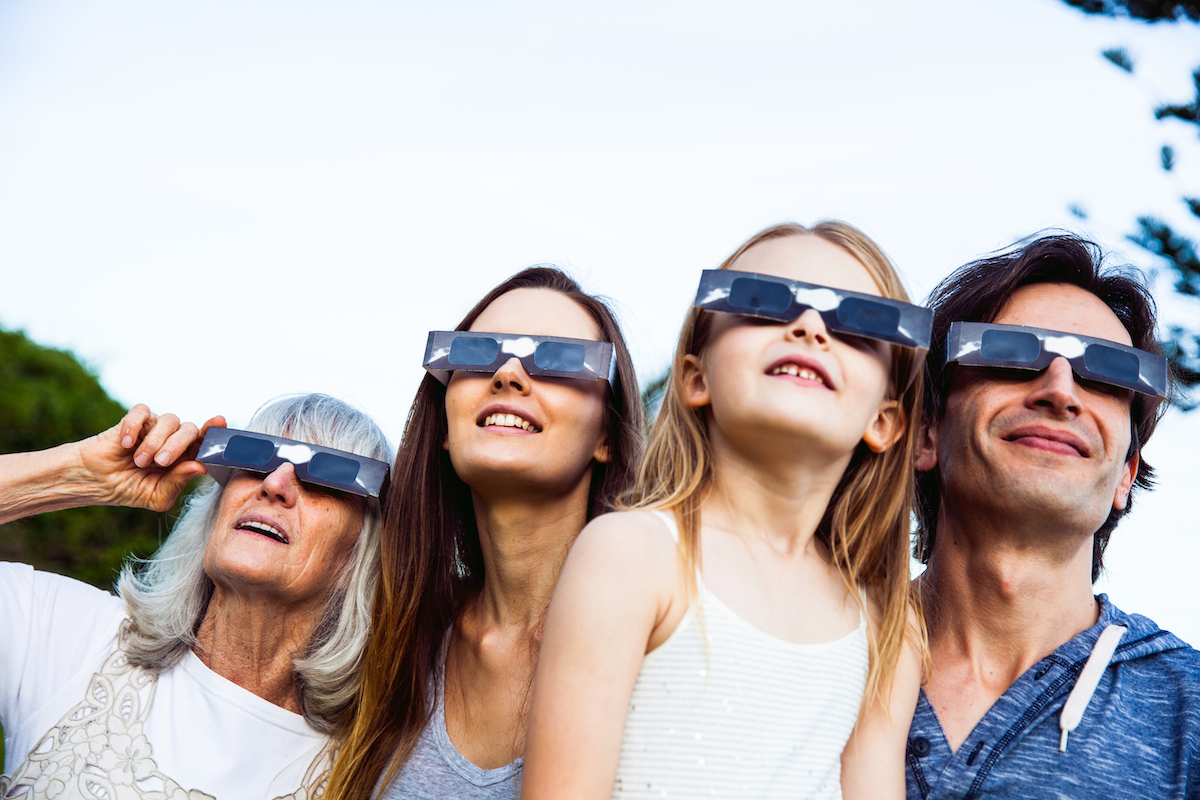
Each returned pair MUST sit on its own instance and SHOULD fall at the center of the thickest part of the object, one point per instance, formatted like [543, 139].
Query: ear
[886, 428]
[926, 448]
[603, 453]
[695, 385]
[1128, 473]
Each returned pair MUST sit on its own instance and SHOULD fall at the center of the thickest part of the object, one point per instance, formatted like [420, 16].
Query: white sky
[217, 203]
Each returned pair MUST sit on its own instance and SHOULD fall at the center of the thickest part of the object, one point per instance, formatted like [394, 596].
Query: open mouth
[509, 421]
[263, 529]
[799, 371]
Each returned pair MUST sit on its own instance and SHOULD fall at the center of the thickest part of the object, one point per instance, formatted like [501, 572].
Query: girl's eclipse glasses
[225, 450]
[843, 312]
[552, 356]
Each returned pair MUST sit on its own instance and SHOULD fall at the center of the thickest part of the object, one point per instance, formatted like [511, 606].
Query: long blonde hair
[866, 525]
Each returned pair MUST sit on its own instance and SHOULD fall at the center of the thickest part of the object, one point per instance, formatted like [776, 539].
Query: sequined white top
[754, 717]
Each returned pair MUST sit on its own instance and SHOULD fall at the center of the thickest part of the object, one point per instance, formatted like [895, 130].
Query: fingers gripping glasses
[553, 356]
[844, 312]
[225, 450]
[982, 344]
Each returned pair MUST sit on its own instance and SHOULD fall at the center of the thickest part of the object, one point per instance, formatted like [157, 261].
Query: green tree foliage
[652, 394]
[47, 398]
[1153, 233]
[1146, 10]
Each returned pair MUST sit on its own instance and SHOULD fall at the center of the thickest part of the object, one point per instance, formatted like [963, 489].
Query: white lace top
[81, 722]
[748, 716]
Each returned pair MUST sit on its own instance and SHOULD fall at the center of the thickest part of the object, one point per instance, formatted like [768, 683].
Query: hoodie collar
[1143, 637]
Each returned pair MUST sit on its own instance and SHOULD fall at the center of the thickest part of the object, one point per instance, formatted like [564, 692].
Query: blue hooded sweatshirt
[1139, 736]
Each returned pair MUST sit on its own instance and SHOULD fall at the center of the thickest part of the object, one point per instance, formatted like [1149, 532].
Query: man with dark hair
[1045, 381]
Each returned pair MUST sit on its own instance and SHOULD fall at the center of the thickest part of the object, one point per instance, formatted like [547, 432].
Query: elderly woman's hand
[145, 460]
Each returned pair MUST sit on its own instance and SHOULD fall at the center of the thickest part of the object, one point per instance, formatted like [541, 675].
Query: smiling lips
[805, 372]
[509, 421]
[1050, 440]
[262, 528]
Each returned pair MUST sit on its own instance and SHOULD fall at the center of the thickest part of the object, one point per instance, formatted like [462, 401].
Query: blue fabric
[1139, 738]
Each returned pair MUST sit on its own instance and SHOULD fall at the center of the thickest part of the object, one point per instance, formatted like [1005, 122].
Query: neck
[252, 642]
[783, 498]
[524, 542]
[999, 596]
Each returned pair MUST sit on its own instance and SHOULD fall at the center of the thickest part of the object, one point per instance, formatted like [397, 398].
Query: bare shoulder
[629, 558]
[636, 537]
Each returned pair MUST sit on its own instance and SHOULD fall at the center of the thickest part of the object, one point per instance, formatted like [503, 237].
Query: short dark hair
[976, 292]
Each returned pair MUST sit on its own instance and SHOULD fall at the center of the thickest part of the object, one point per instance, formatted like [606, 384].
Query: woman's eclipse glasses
[225, 450]
[552, 356]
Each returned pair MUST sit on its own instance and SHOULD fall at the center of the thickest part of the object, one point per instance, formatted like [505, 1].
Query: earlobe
[1129, 473]
[603, 452]
[926, 448]
[695, 387]
[887, 427]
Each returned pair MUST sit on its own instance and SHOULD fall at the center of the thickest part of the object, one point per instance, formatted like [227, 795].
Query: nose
[512, 375]
[281, 486]
[1055, 389]
[809, 327]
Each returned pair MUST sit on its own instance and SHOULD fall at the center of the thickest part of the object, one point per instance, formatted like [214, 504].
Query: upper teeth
[262, 526]
[799, 372]
[509, 421]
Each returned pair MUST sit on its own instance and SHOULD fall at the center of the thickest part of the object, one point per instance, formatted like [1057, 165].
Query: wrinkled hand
[145, 460]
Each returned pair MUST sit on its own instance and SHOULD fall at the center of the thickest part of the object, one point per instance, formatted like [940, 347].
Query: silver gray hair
[167, 595]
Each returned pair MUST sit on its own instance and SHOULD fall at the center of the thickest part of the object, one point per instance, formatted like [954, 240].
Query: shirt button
[920, 746]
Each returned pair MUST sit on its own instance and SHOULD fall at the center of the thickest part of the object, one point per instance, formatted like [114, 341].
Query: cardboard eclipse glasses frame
[552, 356]
[844, 312]
[1016, 347]
[226, 450]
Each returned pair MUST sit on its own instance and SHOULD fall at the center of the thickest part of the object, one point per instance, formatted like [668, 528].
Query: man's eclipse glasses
[225, 450]
[843, 312]
[1015, 347]
[552, 356]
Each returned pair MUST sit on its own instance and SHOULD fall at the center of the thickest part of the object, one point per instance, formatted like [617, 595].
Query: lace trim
[98, 751]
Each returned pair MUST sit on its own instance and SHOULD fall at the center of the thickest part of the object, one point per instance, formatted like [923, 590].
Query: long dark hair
[432, 561]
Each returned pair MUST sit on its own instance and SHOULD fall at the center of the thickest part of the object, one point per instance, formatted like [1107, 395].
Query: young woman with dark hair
[497, 473]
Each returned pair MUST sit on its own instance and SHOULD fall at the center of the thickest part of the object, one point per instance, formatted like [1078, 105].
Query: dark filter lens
[1016, 346]
[1110, 362]
[755, 295]
[470, 351]
[559, 356]
[334, 469]
[251, 452]
[869, 317]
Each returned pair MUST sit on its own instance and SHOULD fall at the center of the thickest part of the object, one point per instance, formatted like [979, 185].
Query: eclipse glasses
[552, 356]
[1015, 347]
[225, 450]
[849, 313]
[843, 311]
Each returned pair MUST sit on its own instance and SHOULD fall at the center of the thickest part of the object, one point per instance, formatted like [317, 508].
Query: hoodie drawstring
[1089, 679]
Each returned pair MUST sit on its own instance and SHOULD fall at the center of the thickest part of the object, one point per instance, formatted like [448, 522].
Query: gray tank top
[436, 770]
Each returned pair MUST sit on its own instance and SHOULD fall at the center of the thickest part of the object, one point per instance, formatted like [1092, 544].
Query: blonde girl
[747, 629]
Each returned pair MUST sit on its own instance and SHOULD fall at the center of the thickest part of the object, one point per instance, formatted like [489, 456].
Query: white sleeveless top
[753, 717]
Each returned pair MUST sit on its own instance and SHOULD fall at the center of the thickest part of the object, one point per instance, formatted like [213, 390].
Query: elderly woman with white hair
[229, 655]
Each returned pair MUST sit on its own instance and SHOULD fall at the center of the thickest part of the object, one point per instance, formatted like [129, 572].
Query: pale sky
[213, 204]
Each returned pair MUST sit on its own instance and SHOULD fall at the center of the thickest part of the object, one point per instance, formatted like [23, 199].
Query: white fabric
[748, 716]
[201, 731]
[1089, 679]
